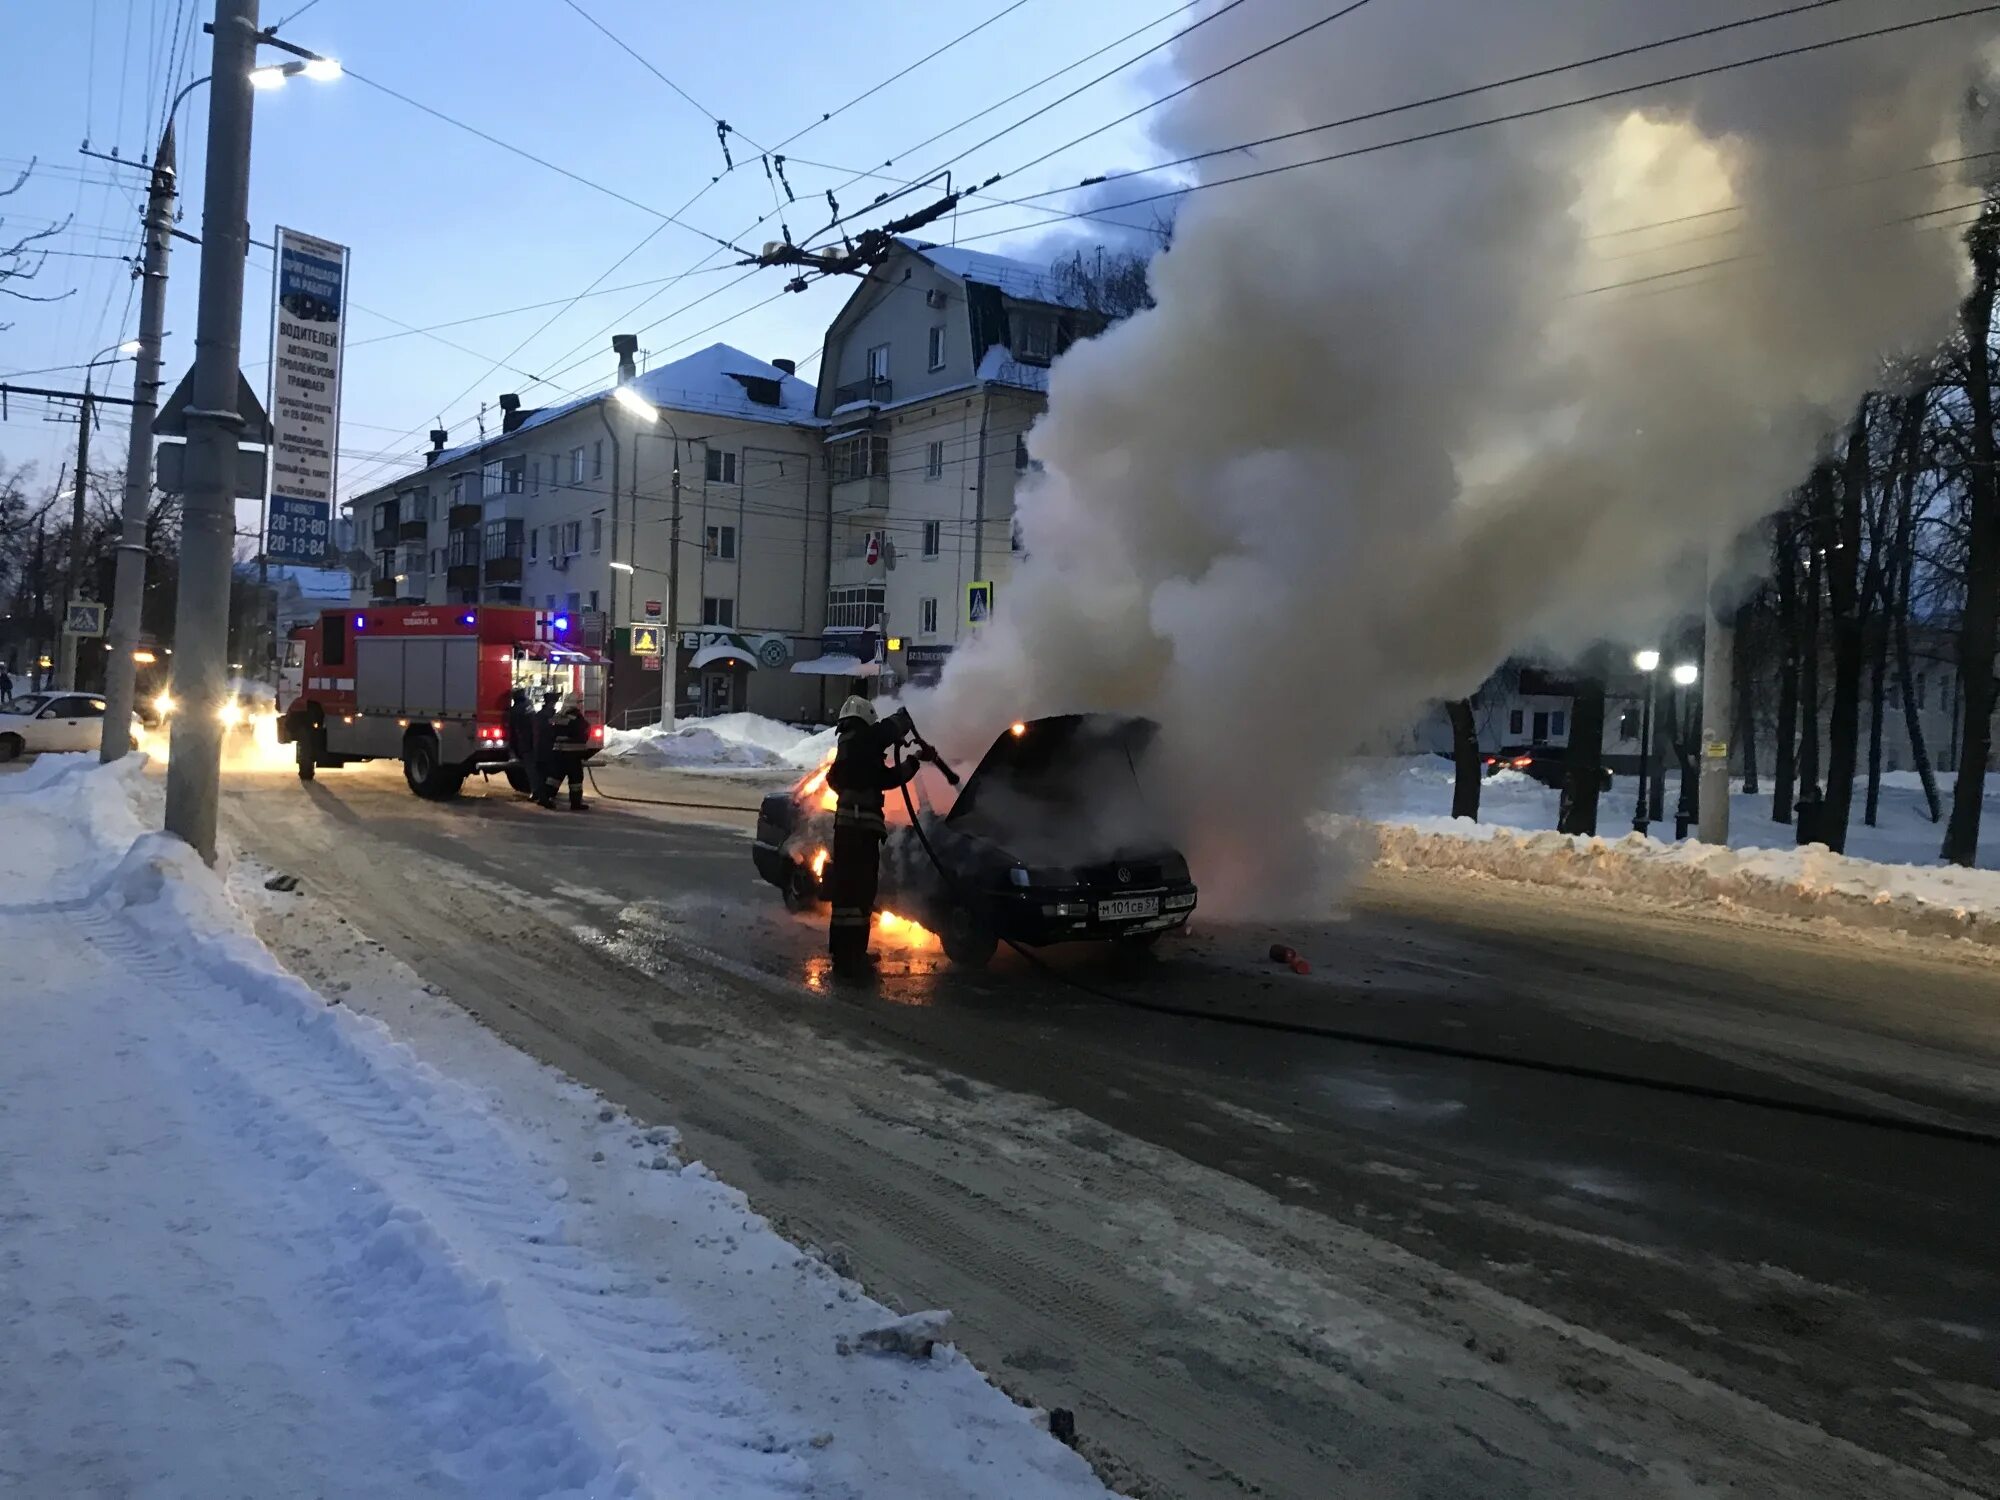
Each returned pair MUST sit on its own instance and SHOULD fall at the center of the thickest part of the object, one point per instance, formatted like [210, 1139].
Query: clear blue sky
[444, 226]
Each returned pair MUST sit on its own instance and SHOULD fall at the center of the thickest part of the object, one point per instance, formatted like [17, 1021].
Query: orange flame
[893, 931]
[819, 859]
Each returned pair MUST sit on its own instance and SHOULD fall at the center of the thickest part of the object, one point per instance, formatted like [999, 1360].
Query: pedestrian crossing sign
[84, 618]
[645, 640]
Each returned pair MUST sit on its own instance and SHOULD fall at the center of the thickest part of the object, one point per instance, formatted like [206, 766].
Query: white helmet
[857, 707]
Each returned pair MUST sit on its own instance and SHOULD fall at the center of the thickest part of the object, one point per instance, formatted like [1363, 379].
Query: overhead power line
[1469, 126]
[1384, 113]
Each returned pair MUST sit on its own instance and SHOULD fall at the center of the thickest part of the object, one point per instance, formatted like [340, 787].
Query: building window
[534, 544]
[437, 559]
[503, 539]
[596, 535]
[555, 471]
[535, 477]
[513, 475]
[1628, 725]
[597, 459]
[573, 538]
[934, 460]
[858, 457]
[489, 479]
[1020, 453]
[937, 346]
[1034, 337]
[721, 467]
[878, 363]
[458, 495]
[1515, 721]
[933, 538]
[593, 599]
[571, 602]
[1559, 724]
[859, 607]
[576, 465]
[927, 617]
[462, 549]
[720, 612]
[722, 542]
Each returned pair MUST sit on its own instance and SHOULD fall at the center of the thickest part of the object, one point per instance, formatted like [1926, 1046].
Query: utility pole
[1718, 681]
[129, 592]
[208, 524]
[66, 644]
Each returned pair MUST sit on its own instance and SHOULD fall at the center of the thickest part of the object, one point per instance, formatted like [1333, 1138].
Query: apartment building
[701, 530]
[931, 377]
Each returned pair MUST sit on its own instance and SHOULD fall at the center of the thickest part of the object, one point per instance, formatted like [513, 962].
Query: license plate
[1127, 907]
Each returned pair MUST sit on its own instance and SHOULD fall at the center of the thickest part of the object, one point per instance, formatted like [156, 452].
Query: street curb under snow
[1801, 883]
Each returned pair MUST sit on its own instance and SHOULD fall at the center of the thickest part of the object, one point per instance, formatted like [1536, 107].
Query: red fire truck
[430, 685]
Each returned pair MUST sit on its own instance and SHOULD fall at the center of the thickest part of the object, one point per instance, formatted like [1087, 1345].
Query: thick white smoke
[1382, 429]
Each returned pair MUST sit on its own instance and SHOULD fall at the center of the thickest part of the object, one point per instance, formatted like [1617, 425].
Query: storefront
[720, 671]
[924, 665]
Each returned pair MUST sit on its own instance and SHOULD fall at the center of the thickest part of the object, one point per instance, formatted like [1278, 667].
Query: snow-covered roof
[315, 583]
[1016, 278]
[705, 382]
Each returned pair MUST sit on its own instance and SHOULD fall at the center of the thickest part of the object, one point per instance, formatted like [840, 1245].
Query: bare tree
[1466, 767]
[21, 256]
[1979, 623]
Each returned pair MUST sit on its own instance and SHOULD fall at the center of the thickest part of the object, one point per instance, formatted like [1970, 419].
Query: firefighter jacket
[859, 777]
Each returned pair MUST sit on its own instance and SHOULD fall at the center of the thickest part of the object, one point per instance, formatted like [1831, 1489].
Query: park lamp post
[1647, 662]
[1685, 675]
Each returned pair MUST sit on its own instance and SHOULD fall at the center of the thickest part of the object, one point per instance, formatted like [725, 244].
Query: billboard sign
[298, 532]
[309, 304]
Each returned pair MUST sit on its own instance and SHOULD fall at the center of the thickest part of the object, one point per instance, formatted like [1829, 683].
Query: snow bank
[725, 742]
[296, 1258]
[1805, 883]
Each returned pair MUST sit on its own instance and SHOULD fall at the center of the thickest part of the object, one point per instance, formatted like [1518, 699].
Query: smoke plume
[1393, 419]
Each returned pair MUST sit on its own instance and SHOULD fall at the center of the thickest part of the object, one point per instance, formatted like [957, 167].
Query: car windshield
[25, 703]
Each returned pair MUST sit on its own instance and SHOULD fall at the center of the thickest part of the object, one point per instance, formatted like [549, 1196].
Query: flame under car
[1050, 840]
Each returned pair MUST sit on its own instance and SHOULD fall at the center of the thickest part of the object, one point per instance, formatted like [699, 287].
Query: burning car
[1050, 840]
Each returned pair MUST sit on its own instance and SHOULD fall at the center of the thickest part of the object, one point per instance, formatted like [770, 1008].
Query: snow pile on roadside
[293, 1258]
[725, 742]
[1804, 883]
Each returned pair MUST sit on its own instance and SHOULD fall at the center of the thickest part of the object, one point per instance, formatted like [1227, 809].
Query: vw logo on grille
[1124, 875]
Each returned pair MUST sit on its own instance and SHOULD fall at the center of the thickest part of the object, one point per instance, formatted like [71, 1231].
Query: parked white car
[31, 723]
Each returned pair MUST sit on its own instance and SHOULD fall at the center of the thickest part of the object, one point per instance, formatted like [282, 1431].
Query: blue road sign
[299, 530]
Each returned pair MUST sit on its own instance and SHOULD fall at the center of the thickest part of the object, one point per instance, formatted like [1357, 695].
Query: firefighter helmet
[858, 707]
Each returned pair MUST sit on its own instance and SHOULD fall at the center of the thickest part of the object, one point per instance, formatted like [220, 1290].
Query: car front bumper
[1075, 915]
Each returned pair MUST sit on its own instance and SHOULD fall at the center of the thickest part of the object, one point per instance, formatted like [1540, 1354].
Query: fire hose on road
[1807, 1109]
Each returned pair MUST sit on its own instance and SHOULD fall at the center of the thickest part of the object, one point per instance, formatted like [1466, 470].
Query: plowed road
[1262, 1264]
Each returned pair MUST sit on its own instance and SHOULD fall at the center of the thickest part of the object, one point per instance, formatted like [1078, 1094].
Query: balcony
[865, 496]
[413, 531]
[462, 576]
[877, 391]
[465, 517]
[503, 569]
[386, 536]
[384, 586]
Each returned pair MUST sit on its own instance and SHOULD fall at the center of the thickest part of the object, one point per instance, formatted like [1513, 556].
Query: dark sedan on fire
[1051, 840]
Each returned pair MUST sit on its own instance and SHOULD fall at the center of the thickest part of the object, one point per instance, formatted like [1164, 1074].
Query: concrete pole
[1718, 681]
[129, 595]
[208, 524]
[67, 645]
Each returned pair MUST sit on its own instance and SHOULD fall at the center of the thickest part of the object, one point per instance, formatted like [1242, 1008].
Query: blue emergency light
[562, 624]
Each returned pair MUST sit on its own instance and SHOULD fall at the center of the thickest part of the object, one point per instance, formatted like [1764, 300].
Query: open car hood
[1067, 785]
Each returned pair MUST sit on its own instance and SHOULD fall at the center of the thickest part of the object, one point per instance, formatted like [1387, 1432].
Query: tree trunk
[1899, 622]
[1464, 760]
[1810, 586]
[1840, 503]
[1586, 758]
[1784, 769]
[1981, 621]
[1878, 661]
[1746, 693]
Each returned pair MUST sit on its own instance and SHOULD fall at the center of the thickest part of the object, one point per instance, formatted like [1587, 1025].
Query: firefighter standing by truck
[561, 740]
[859, 777]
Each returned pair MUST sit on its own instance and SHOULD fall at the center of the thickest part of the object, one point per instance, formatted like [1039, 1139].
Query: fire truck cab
[430, 685]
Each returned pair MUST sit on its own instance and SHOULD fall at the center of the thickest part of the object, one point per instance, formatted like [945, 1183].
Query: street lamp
[1685, 674]
[1647, 662]
[628, 399]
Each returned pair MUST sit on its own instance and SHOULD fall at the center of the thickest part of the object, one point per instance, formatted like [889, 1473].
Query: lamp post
[649, 414]
[68, 646]
[1647, 662]
[214, 426]
[1685, 676]
[667, 633]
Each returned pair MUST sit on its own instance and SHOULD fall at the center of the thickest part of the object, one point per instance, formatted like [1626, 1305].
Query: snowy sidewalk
[249, 1246]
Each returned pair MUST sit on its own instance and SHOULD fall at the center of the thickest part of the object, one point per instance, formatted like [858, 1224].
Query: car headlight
[231, 714]
[164, 704]
[1174, 867]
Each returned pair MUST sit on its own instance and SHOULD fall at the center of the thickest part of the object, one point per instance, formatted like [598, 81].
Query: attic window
[759, 388]
[1034, 338]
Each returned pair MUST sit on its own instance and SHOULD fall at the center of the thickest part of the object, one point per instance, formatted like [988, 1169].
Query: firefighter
[858, 778]
[521, 737]
[560, 741]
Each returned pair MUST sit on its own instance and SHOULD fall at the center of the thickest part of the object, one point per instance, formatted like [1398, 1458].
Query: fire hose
[1808, 1109]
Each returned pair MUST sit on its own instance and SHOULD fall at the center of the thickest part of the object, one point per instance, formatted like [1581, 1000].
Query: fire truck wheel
[305, 747]
[518, 780]
[422, 770]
